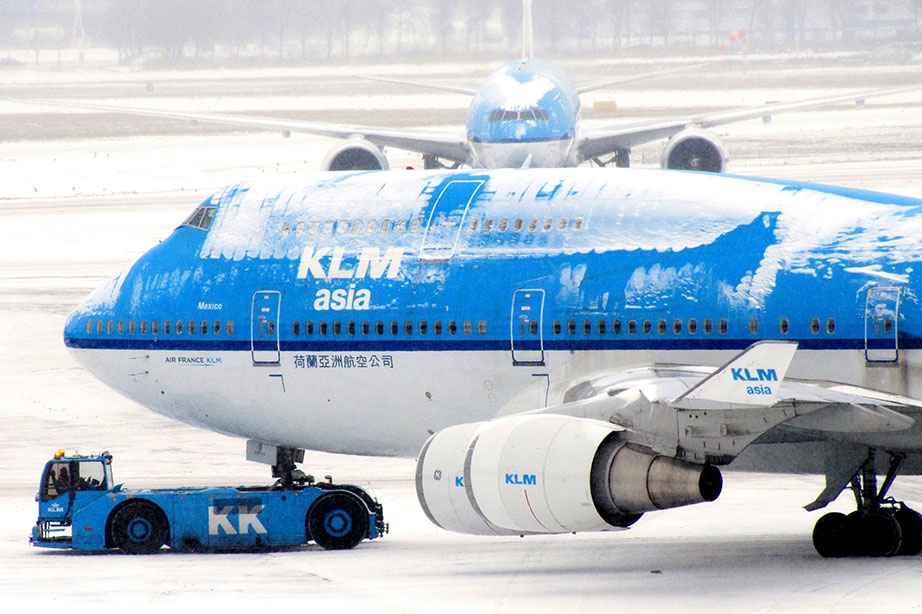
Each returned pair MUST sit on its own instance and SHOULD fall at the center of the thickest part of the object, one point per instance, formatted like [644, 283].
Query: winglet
[750, 379]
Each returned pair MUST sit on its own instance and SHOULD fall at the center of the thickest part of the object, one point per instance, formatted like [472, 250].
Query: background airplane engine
[355, 155]
[694, 149]
[549, 474]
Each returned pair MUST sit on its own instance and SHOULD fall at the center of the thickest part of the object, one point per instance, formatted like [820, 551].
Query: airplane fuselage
[362, 312]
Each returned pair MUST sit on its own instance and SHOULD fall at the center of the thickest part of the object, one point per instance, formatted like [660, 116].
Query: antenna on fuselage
[528, 32]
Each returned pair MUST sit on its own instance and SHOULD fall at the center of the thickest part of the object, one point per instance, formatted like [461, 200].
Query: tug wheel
[139, 527]
[337, 521]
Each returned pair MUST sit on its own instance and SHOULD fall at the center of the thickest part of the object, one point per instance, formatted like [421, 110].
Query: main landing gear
[879, 527]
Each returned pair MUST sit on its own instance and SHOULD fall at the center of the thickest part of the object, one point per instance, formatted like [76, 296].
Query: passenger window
[366, 327]
[108, 327]
[230, 327]
[216, 327]
[600, 327]
[178, 327]
[299, 229]
[587, 327]
[815, 326]
[533, 225]
[564, 222]
[475, 224]
[647, 327]
[154, 325]
[414, 225]
[548, 224]
[395, 328]
[754, 326]
[708, 326]
[337, 328]
[466, 327]
[452, 327]
[143, 327]
[191, 327]
[204, 327]
[784, 326]
[313, 227]
[372, 226]
[722, 326]
[423, 327]
[379, 327]
[517, 227]
[342, 227]
[322, 328]
[616, 327]
[309, 327]
[98, 327]
[692, 326]
[632, 327]
[488, 226]
[578, 224]
[350, 328]
[571, 327]
[328, 227]
[166, 327]
[387, 226]
[555, 327]
[504, 224]
[532, 327]
[286, 229]
[89, 326]
[408, 327]
[830, 326]
[661, 326]
[400, 226]
[482, 327]
[437, 327]
[677, 326]
[295, 328]
[121, 327]
[131, 327]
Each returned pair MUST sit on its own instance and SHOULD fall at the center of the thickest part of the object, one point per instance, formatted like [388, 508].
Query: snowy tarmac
[75, 209]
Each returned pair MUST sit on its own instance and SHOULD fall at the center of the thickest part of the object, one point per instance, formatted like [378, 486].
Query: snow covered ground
[74, 210]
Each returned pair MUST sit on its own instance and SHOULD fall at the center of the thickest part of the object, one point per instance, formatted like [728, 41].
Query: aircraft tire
[876, 534]
[831, 536]
[337, 521]
[139, 527]
[910, 522]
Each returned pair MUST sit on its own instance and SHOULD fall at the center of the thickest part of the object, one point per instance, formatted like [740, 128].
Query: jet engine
[694, 149]
[355, 154]
[549, 474]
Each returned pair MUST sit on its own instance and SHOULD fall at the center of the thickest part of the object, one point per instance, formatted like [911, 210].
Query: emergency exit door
[527, 326]
[881, 325]
[264, 327]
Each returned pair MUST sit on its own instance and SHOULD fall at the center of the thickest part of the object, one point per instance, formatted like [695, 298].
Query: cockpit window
[518, 114]
[200, 218]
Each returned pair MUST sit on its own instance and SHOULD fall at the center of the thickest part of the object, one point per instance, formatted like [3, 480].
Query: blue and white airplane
[562, 349]
[525, 114]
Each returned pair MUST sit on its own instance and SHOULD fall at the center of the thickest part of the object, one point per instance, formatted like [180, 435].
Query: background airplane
[525, 114]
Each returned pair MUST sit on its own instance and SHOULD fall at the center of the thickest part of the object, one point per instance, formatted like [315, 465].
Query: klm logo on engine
[760, 375]
[324, 263]
[522, 479]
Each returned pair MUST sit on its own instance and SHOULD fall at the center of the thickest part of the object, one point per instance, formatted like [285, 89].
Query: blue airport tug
[80, 507]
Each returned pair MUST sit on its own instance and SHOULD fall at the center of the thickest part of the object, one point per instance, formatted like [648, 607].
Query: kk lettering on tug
[560, 349]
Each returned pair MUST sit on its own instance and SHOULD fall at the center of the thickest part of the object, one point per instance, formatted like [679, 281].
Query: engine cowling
[355, 154]
[694, 149]
[549, 474]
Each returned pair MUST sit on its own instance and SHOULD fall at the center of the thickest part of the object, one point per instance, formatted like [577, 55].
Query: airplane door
[264, 327]
[446, 220]
[527, 327]
[881, 324]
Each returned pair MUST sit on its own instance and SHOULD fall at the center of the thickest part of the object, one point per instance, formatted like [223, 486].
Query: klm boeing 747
[562, 350]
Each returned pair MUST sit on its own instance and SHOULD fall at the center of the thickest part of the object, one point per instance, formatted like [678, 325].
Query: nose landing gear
[879, 527]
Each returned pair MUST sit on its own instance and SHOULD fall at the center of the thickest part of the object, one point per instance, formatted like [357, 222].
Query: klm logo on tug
[760, 375]
[368, 264]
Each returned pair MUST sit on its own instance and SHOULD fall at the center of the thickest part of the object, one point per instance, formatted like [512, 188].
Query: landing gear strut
[879, 527]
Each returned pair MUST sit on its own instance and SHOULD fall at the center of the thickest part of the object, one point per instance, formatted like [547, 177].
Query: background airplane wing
[593, 144]
[598, 85]
[447, 146]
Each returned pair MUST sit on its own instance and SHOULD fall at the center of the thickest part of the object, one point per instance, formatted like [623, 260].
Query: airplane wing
[432, 86]
[593, 144]
[711, 415]
[447, 146]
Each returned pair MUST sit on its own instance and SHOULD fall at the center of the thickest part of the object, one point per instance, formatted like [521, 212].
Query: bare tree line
[323, 30]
